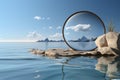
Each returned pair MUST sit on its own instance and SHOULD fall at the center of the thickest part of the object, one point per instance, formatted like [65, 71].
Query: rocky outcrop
[109, 43]
[112, 38]
[101, 41]
[66, 53]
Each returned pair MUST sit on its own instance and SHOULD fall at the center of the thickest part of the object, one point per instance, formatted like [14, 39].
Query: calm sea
[16, 63]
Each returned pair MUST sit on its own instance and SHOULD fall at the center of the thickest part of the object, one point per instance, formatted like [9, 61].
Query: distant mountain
[84, 39]
[47, 40]
[78, 40]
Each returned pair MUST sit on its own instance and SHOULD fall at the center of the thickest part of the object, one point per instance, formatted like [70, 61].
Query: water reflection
[63, 73]
[63, 64]
[80, 69]
[83, 68]
[110, 66]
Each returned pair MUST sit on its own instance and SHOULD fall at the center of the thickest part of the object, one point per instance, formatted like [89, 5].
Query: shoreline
[58, 52]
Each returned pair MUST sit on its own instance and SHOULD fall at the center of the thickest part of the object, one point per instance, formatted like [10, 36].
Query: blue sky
[29, 20]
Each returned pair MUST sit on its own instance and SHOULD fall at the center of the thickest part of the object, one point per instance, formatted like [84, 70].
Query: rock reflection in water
[110, 66]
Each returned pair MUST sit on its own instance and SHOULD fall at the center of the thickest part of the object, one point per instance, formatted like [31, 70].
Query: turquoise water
[16, 63]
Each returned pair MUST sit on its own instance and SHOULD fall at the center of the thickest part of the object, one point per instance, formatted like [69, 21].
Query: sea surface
[17, 63]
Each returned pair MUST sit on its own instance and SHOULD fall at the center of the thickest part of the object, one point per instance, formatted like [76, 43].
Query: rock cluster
[107, 44]
[65, 53]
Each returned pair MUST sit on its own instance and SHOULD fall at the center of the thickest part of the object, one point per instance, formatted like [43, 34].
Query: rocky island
[107, 45]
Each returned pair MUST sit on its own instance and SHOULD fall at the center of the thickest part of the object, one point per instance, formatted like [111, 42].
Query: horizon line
[18, 40]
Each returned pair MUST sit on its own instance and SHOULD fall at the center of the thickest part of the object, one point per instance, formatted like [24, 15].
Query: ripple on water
[52, 69]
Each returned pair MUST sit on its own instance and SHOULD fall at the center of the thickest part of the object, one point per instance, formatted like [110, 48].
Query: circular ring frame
[103, 25]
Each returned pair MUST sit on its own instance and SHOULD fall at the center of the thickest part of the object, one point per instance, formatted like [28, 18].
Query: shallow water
[16, 63]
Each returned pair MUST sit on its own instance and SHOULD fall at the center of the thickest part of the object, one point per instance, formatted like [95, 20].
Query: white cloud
[37, 18]
[35, 36]
[79, 27]
[59, 27]
[41, 18]
[56, 36]
[50, 27]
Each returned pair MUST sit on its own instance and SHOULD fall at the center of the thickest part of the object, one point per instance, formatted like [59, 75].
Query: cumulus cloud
[59, 27]
[35, 35]
[56, 36]
[79, 27]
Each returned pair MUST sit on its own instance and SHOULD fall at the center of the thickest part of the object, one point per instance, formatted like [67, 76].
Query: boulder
[109, 43]
[101, 41]
[112, 39]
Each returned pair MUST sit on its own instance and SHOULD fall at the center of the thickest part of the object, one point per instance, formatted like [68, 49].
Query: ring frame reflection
[78, 22]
